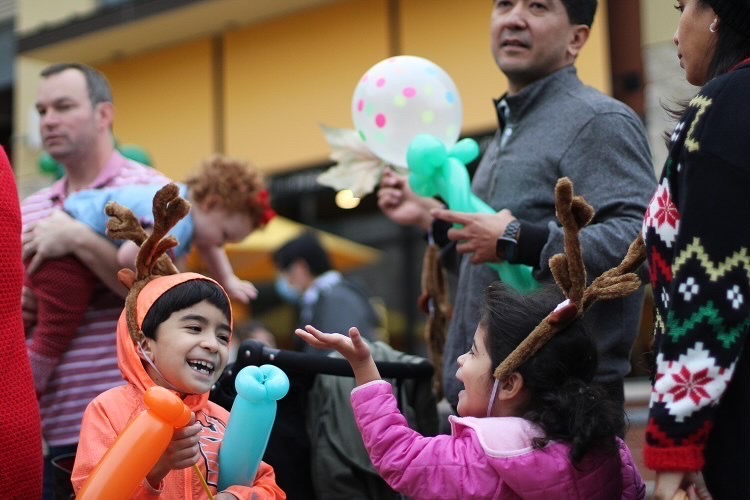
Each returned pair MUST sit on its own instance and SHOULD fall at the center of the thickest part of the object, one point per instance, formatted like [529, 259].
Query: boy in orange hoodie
[174, 332]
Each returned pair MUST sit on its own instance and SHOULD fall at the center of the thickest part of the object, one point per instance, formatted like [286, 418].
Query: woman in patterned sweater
[697, 232]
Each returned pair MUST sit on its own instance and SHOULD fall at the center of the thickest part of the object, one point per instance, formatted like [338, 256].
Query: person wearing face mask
[324, 297]
[698, 243]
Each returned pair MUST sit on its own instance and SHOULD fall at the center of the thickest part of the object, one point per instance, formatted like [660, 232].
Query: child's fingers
[309, 338]
[186, 459]
[356, 337]
[358, 343]
[250, 289]
[316, 338]
[326, 338]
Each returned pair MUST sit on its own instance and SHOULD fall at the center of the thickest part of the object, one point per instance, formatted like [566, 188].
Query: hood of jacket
[548, 472]
[128, 356]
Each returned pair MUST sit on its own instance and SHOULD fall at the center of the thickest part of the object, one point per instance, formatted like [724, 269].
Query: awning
[252, 258]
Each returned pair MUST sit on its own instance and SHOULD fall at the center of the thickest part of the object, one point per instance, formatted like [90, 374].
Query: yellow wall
[164, 103]
[26, 140]
[593, 63]
[286, 77]
[32, 15]
[658, 21]
[311, 63]
[455, 36]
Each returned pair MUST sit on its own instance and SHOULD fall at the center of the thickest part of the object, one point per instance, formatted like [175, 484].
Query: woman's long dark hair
[732, 47]
[562, 402]
[181, 297]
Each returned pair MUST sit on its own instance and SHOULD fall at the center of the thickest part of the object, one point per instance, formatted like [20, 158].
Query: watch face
[510, 250]
[506, 248]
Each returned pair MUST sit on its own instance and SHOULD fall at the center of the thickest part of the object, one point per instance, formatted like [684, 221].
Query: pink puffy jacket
[483, 458]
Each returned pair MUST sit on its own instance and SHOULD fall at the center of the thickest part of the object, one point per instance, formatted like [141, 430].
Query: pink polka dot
[360, 105]
[380, 82]
[380, 120]
[409, 92]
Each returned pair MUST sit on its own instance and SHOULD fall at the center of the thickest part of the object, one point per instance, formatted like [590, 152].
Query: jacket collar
[510, 108]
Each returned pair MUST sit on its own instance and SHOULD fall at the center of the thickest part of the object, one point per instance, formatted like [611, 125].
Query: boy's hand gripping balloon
[250, 422]
[137, 448]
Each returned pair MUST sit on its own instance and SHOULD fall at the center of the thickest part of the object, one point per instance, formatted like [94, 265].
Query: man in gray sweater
[550, 126]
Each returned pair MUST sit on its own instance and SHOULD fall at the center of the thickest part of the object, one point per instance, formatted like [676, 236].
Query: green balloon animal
[437, 171]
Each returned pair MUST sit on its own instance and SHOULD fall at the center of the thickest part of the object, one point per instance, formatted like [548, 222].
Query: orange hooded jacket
[108, 415]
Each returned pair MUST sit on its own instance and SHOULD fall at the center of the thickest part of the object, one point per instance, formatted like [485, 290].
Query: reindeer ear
[126, 277]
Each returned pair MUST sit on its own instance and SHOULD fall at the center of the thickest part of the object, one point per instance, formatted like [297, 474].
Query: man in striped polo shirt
[76, 112]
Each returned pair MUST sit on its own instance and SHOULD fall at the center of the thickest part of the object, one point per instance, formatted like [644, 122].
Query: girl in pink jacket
[539, 432]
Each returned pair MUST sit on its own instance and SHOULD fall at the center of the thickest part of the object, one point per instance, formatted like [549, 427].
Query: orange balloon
[137, 448]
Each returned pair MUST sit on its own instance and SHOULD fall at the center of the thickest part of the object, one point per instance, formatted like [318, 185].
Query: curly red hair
[234, 185]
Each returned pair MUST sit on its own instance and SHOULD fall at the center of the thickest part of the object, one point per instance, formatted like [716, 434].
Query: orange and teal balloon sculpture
[137, 448]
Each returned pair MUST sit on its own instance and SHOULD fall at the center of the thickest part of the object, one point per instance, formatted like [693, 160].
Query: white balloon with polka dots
[400, 98]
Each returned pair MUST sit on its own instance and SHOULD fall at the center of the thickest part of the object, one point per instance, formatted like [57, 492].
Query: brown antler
[152, 260]
[567, 268]
[123, 225]
[168, 209]
[570, 274]
[618, 281]
[435, 303]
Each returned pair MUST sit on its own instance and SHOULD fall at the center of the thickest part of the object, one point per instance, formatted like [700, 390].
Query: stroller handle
[252, 352]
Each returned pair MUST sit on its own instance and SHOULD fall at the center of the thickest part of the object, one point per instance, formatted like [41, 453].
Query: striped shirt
[89, 366]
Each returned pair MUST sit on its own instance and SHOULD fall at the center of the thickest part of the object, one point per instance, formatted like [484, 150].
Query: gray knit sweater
[562, 128]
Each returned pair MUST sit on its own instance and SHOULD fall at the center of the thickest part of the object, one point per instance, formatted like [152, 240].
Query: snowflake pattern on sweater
[698, 248]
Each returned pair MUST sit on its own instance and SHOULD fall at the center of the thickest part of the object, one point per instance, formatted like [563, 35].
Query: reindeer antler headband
[574, 213]
[152, 260]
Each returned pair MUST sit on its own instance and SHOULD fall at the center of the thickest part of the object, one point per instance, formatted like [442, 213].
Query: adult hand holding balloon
[250, 422]
[408, 112]
[437, 171]
[396, 99]
[137, 448]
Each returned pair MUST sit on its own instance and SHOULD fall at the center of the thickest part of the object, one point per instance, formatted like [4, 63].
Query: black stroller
[314, 446]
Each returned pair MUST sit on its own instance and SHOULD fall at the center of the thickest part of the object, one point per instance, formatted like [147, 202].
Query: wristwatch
[506, 247]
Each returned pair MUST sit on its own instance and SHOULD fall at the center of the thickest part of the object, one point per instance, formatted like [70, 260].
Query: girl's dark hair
[732, 47]
[181, 297]
[561, 400]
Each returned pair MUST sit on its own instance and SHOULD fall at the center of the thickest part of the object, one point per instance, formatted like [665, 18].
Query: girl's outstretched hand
[352, 348]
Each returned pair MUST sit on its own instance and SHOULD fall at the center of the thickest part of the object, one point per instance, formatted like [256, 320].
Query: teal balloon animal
[437, 171]
[250, 423]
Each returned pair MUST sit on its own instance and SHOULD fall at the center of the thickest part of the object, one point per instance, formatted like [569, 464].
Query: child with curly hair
[228, 201]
